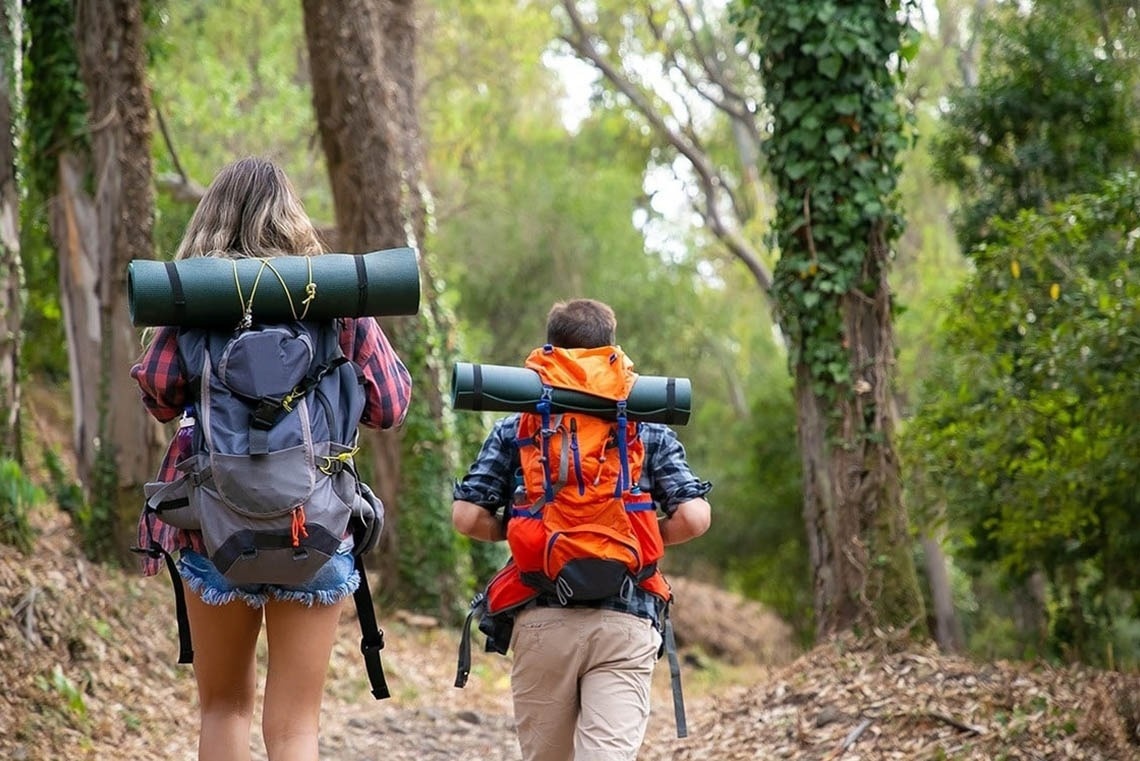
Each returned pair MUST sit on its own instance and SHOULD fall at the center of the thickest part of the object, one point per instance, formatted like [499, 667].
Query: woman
[252, 210]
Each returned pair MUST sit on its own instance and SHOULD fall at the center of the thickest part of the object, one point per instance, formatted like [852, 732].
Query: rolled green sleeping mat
[205, 291]
[500, 388]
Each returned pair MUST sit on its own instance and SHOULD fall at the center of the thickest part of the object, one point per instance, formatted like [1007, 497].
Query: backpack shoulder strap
[371, 635]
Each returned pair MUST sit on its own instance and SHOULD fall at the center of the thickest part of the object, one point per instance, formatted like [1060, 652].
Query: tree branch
[708, 177]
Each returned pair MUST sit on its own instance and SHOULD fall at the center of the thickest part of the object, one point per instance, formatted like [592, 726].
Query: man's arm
[488, 485]
[688, 521]
[679, 493]
[476, 522]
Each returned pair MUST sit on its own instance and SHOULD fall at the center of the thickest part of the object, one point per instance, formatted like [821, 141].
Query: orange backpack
[580, 527]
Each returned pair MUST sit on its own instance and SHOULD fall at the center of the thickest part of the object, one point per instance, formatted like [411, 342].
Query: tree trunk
[11, 270]
[75, 232]
[116, 441]
[947, 626]
[362, 60]
[858, 536]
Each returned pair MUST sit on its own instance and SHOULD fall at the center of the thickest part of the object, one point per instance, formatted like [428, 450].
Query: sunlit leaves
[1027, 432]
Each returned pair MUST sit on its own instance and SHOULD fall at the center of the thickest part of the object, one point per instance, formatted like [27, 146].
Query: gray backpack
[271, 482]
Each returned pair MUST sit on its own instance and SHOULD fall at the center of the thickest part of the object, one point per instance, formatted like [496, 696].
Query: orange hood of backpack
[604, 371]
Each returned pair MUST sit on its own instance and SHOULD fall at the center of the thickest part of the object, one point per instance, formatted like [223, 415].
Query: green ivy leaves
[836, 138]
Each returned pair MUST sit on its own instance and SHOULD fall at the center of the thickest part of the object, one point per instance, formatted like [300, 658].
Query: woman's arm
[161, 377]
[387, 383]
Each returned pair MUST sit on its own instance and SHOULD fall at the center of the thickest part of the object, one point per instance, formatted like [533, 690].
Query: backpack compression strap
[185, 647]
[669, 643]
[271, 409]
[463, 667]
[371, 635]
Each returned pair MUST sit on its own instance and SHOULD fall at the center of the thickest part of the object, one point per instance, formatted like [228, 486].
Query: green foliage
[928, 263]
[18, 495]
[235, 84]
[837, 133]
[59, 684]
[1025, 431]
[44, 354]
[54, 123]
[759, 498]
[67, 493]
[1053, 112]
[434, 563]
[53, 94]
[94, 519]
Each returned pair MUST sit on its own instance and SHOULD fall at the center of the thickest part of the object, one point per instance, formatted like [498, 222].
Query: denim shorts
[336, 580]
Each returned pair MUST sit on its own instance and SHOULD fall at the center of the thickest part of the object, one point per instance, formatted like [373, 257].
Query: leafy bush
[17, 496]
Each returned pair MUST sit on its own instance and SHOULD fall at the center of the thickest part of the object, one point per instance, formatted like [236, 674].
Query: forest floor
[87, 661]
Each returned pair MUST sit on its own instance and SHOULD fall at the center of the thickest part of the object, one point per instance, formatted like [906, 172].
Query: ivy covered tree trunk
[836, 136]
[93, 105]
[11, 271]
[362, 59]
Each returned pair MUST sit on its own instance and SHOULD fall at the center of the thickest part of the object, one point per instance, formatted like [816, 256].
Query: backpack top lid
[604, 371]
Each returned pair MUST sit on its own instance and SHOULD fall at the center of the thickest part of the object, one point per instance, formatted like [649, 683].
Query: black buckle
[266, 414]
[369, 648]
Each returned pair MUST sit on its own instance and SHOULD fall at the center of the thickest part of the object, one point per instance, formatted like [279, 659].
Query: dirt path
[87, 660]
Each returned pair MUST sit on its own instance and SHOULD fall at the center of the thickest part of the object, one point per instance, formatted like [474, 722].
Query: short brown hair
[581, 324]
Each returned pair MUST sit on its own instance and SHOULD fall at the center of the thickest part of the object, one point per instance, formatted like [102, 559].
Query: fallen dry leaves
[87, 661]
[850, 700]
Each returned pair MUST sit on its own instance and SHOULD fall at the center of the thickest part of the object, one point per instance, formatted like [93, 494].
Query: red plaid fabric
[162, 381]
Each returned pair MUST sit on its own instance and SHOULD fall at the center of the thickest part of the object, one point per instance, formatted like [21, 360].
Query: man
[582, 668]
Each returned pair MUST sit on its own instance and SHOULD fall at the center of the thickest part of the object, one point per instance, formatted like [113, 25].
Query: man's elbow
[689, 520]
[463, 518]
[699, 518]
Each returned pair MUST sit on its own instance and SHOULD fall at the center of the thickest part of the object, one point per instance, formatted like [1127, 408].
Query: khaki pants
[580, 681]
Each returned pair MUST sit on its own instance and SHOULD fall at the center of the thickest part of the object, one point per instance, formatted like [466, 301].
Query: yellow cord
[247, 307]
[343, 457]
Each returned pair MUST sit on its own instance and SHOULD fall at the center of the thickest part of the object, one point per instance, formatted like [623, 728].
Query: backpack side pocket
[171, 500]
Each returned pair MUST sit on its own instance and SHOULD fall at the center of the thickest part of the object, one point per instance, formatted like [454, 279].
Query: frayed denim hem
[321, 597]
[211, 595]
[336, 580]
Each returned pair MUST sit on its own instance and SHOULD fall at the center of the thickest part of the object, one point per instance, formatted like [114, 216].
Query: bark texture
[103, 217]
[857, 529]
[11, 270]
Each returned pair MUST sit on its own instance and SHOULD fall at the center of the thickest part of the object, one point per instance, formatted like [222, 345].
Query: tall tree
[832, 75]
[93, 110]
[366, 106]
[835, 138]
[11, 268]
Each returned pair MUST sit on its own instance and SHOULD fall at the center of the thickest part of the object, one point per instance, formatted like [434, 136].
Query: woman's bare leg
[300, 644]
[225, 667]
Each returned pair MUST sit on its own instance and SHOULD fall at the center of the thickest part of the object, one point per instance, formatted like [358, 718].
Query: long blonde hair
[250, 209]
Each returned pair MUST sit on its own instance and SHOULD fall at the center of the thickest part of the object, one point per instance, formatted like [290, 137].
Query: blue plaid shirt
[665, 475]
